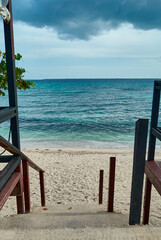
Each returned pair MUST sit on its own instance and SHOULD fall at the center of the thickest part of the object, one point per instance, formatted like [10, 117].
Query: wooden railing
[26, 163]
[8, 170]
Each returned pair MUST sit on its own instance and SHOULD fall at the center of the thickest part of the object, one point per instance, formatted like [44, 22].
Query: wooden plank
[154, 121]
[6, 167]
[141, 130]
[158, 84]
[20, 199]
[111, 184]
[101, 187]
[32, 164]
[156, 132]
[147, 197]
[152, 143]
[8, 171]
[5, 159]
[7, 113]
[26, 186]
[153, 172]
[7, 190]
[11, 76]
[42, 188]
[12, 149]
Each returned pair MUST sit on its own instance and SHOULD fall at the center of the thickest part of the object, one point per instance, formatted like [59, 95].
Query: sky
[87, 38]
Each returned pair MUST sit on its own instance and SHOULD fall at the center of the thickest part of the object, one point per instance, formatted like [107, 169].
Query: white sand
[72, 177]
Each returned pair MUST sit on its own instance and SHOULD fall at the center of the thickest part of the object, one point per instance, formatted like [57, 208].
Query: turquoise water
[81, 113]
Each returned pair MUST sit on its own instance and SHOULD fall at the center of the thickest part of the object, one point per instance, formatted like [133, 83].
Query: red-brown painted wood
[101, 187]
[27, 162]
[111, 184]
[20, 199]
[6, 168]
[42, 188]
[26, 186]
[153, 172]
[9, 187]
[12, 149]
[147, 198]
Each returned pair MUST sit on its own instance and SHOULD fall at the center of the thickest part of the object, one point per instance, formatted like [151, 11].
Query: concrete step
[65, 216]
[68, 222]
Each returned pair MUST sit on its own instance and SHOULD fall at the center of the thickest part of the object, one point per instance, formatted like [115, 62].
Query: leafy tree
[20, 82]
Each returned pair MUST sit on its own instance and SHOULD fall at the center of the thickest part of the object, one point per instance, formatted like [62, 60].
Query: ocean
[88, 113]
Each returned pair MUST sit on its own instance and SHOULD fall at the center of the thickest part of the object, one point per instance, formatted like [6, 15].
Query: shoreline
[81, 144]
[79, 150]
[83, 150]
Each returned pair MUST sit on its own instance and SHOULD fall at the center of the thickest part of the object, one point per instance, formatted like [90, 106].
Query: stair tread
[65, 216]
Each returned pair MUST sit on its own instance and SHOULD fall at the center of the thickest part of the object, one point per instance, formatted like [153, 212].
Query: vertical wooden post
[111, 184]
[101, 187]
[141, 130]
[26, 185]
[154, 122]
[147, 198]
[20, 199]
[11, 77]
[42, 188]
[151, 150]
[12, 92]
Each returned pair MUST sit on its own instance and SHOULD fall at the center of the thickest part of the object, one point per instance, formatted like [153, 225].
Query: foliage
[20, 82]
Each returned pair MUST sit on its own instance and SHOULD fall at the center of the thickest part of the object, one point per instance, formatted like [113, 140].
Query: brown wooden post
[42, 188]
[147, 198]
[26, 183]
[111, 184]
[20, 199]
[101, 187]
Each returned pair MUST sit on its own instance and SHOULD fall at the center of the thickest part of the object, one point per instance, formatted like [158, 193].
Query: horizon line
[42, 79]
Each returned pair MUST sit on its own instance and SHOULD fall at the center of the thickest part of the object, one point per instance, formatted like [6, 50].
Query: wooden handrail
[26, 162]
[9, 187]
[12, 149]
[6, 173]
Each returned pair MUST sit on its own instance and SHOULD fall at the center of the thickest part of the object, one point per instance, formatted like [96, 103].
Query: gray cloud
[85, 18]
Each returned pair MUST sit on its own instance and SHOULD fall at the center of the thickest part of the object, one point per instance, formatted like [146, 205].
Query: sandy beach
[72, 177]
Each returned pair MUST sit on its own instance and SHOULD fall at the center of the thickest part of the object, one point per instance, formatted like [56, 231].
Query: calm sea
[81, 113]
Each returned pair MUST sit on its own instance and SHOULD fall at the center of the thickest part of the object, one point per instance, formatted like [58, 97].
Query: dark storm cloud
[83, 18]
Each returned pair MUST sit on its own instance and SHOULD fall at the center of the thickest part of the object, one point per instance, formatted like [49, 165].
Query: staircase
[14, 182]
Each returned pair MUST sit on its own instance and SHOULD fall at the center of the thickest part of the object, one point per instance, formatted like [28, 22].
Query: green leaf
[18, 56]
[20, 82]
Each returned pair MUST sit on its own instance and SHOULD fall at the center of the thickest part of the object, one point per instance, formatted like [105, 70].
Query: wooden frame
[151, 168]
[26, 162]
[141, 130]
[12, 179]
[154, 133]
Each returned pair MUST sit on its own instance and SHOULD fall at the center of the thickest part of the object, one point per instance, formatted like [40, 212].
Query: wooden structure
[111, 185]
[141, 130]
[14, 181]
[151, 168]
[101, 187]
